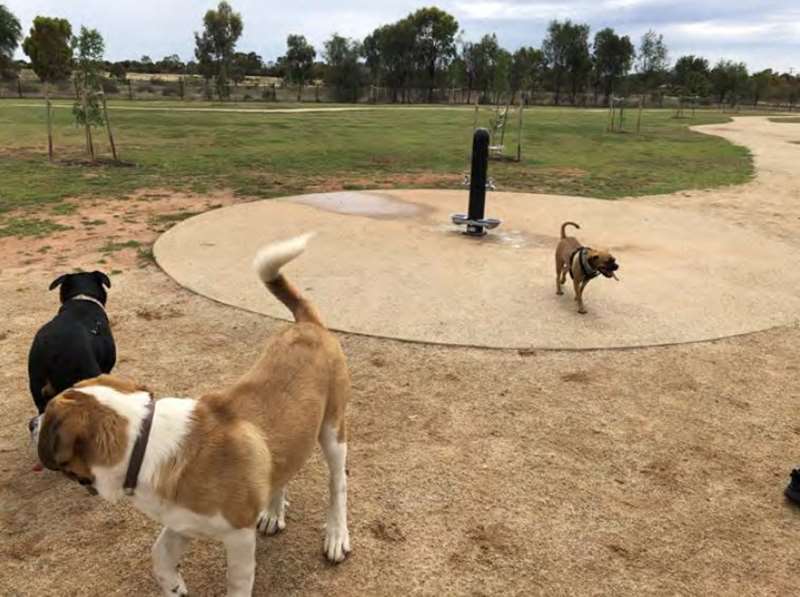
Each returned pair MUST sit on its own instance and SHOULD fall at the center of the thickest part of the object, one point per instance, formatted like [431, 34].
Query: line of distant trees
[424, 58]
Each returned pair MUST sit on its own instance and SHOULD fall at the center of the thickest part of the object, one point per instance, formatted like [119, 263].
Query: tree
[299, 61]
[613, 58]
[481, 63]
[344, 72]
[761, 84]
[729, 81]
[653, 59]
[691, 75]
[435, 44]
[244, 65]
[566, 52]
[10, 34]
[215, 47]
[88, 48]
[527, 69]
[501, 77]
[206, 67]
[48, 47]
[390, 56]
[170, 64]
[579, 62]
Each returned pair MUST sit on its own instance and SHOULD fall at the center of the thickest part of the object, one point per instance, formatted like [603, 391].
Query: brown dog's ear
[57, 282]
[102, 278]
[63, 426]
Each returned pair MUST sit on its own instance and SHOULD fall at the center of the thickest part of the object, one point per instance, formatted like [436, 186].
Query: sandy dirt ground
[472, 472]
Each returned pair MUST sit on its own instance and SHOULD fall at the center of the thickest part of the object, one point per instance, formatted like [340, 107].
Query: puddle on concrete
[357, 203]
[516, 239]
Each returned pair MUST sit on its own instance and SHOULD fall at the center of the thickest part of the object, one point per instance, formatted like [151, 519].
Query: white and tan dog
[216, 466]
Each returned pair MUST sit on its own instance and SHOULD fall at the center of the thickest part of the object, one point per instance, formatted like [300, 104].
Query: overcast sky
[761, 33]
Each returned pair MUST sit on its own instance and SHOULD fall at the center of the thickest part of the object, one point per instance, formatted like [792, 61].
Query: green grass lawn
[787, 120]
[566, 151]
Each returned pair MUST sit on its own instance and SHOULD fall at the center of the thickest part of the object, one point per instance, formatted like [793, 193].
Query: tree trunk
[300, 92]
[432, 75]
[557, 85]
[49, 121]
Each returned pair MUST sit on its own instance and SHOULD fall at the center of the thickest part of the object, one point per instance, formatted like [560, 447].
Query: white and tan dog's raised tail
[268, 263]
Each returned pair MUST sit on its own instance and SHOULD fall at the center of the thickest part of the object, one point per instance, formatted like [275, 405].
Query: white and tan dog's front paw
[337, 543]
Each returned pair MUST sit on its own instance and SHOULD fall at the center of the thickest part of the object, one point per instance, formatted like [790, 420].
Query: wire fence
[197, 89]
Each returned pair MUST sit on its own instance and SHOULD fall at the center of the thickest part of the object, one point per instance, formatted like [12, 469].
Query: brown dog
[216, 466]
[582, 263]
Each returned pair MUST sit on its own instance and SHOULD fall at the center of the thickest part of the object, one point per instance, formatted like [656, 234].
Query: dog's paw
[559, 292]
[582, 311]
[337, 544]
[172, 584]
[273, 520]
[270, 523]
[178, 590]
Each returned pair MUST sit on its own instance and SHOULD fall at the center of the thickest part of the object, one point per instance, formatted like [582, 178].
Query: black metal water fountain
[476, 222]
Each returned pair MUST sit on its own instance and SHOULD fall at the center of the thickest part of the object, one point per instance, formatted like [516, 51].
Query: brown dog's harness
[139, 447]
[582, 254]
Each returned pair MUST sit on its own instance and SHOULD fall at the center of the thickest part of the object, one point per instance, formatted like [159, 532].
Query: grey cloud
[161, 27]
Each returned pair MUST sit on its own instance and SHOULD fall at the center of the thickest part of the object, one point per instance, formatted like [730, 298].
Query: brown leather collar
[139, 447]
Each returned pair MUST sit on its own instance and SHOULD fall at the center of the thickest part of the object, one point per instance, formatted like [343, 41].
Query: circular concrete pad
[390, 264]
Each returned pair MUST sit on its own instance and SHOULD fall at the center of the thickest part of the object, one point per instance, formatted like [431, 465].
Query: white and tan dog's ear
[78, 432]
[62, 427]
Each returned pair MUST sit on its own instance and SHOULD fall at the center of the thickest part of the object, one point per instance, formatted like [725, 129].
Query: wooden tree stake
[108, 128]
[49, 121]
[519, 131]
[89, 145]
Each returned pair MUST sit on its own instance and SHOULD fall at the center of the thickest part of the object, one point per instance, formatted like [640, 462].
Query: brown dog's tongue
[38, 468]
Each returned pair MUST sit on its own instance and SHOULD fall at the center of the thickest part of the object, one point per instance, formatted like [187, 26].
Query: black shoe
[792, 490]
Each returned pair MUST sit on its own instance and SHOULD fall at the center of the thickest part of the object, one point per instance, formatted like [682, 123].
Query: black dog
[76, 344]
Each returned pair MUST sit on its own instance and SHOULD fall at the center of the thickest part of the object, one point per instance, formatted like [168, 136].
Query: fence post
[639, 117]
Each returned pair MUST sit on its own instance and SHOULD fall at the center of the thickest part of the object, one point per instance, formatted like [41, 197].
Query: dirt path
[771, 202]
[474, 472]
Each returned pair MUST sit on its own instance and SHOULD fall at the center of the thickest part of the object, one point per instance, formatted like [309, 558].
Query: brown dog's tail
[268, 264]
[564, 225]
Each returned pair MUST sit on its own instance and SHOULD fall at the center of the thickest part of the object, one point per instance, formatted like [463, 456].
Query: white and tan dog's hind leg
[167, 553]
[337, 535]
[273, 519]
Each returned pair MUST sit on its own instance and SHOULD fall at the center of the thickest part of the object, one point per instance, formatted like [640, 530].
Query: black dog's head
[92, 284]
